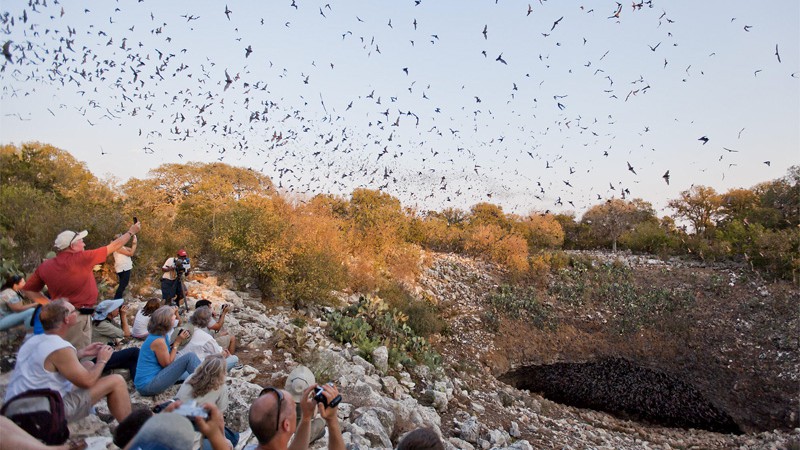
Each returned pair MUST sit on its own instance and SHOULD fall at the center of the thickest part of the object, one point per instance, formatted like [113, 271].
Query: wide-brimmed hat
[298, 381]
[102, 310]
[67, 237]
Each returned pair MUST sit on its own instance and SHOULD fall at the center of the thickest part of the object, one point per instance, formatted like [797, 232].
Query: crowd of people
[71, 350]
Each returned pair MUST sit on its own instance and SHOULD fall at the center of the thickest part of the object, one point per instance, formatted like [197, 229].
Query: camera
[319, 396]
[191, 409]
[182, 264]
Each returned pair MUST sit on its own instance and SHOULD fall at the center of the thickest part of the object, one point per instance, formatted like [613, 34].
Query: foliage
[488, 214]
[650, 237]
[541, 231]
[495, 244]
[611, 285]
[372, 323]
[293, 256]
[700, 205]
[424, 317]
[520, 302]
[44, 190]
[609, 220]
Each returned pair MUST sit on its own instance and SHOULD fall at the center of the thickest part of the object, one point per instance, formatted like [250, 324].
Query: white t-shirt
[140, 325]
[201, 344]
[29, 372]
[170, 264]
[122, 262]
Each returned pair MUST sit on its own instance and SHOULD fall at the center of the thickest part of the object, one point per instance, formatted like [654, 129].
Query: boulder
[380, 358]
[470, 430]
[377, 424]
[241, 395]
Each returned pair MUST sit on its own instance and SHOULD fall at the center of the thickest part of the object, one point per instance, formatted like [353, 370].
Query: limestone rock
[469, 430]
[380, 357]
[377, 424]
[241, 394]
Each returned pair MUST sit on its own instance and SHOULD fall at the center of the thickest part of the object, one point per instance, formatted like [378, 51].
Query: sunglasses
[267, 390]
[73, 239]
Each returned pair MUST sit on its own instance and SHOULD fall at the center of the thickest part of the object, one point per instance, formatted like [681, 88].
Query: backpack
[40, 412]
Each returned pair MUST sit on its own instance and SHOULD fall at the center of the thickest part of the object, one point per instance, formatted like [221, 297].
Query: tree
[608, 221]
[488, 214]
[700, 205]
[780, 201]
[540, 231]
[45, 190]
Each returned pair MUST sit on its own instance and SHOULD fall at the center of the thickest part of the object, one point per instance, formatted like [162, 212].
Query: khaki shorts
[80, 334]
[77, 404]
[223, 341]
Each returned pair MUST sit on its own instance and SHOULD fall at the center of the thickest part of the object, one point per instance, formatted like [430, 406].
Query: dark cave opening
[628, 391]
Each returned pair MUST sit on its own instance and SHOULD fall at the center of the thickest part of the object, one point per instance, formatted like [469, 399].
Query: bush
[423, 316]
[650, 237]
[372, 322]
[521, 302]
[778, 253]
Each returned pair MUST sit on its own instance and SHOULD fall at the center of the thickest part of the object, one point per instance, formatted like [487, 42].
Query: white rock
[380, 358]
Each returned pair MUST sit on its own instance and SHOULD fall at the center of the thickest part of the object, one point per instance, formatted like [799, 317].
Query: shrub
[521, 302]
[372, 322]
[650, 237]
[423, 316]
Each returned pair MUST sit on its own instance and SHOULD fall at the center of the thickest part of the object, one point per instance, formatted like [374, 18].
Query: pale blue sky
[512, 145]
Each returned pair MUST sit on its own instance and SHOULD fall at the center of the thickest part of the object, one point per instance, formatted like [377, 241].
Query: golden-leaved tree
[45, 190]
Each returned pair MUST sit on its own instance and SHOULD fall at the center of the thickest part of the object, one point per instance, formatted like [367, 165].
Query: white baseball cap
[298, 381]
[67, 237]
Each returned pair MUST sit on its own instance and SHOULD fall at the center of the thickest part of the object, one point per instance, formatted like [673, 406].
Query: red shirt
[69, 275]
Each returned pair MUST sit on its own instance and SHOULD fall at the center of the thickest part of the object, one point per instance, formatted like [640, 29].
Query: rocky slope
[465, 401]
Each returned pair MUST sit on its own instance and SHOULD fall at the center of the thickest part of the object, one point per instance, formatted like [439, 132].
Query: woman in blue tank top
[157, 368]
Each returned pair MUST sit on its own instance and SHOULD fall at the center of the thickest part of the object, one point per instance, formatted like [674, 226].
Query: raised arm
[117, 243]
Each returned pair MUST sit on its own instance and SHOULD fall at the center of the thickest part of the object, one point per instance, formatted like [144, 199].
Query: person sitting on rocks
[106, 331]
[207, 385]
[215, 324]
[142, 318]
[202, 343]
[273, 419]
[421, 439]
[103, 327]
[159, 367]
[49, 361]
[14, 310]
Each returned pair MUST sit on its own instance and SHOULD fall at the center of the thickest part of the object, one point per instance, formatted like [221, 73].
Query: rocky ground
[465, 400]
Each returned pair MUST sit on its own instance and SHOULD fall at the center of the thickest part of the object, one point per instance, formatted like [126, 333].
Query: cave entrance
[625, 390]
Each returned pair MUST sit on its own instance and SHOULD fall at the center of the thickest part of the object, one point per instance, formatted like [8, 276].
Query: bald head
[263, 416]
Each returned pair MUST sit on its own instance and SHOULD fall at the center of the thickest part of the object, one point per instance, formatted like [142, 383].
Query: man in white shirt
[49, 361]
[174, 269]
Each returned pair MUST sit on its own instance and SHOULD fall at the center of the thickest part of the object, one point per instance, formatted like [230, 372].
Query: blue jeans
[179, 369]
[231, 361]
[230, 435]
[17, 318]
[124, 279]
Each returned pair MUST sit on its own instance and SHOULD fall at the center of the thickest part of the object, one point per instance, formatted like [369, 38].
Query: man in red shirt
[69, 275]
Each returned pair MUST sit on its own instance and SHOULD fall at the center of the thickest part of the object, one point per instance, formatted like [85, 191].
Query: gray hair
[201, 317]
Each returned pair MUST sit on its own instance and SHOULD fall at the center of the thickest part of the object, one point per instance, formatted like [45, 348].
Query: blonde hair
[208, 376]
